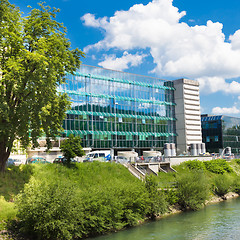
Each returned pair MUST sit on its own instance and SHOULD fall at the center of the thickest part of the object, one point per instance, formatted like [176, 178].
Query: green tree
[71, 147]
[34, 57]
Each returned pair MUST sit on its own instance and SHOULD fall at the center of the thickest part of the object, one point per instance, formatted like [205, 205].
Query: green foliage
[95, 198]
[237, 161]
[192, 189]
[195, 165]
[167, 180]
[157, 202]
[49, 213]
[171, 196]
[218, 166]
[236, 184]
[72, 147]
[92, 198]
[222, 184]
[13, 179]
[34, 58]
[7, 210]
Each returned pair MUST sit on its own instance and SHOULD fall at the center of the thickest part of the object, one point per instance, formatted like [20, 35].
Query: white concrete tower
[187, 111]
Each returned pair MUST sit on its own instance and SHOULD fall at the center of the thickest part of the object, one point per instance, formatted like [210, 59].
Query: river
[214, 222]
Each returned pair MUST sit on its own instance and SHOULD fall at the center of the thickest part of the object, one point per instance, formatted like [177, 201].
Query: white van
[100, 155]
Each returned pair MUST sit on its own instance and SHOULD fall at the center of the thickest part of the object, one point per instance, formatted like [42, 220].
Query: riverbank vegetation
[87, 199]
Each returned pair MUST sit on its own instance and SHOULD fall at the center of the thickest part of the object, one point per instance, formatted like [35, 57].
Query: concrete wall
[178, 160]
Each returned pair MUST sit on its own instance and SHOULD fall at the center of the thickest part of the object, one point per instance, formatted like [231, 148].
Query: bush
[157, 202]
[237, 161]
[236, 185]
[48, 211]
[171, 196]
[195, 165]
[218, 166]
[192, 189]
[93, 198]
[222, 184]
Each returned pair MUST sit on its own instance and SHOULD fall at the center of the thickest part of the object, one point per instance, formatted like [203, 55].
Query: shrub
[192, 189]
[218, 166]
[195, 165]
[66, 203]
[171, 196]
[222, 184]
[237, 161]
[236, 185]
[157, 203]
[48, 211]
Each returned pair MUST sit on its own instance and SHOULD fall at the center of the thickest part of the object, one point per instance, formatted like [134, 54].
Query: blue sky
[168, 39]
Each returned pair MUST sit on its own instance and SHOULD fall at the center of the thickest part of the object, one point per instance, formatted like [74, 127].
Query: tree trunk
[4, 154]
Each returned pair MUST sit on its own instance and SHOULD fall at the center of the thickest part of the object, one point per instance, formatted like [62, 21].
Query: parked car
[36, 159]
[63, 160]
[228, 156]
[98, 156]
[13, 161]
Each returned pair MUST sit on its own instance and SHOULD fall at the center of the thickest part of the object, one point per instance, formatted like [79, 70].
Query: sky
[169, 39]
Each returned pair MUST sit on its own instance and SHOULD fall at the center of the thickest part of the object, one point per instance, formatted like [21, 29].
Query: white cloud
[177, 49]
[230, 111]
[235, 40]
[215, 84]
[112, 62]
[90, 20]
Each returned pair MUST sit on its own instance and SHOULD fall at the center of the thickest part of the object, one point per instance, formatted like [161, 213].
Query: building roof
[206, 118]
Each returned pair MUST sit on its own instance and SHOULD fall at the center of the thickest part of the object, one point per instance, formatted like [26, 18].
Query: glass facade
[112, 109]
[221, 132]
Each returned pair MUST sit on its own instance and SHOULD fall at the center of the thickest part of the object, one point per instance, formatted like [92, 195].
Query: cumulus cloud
[123, 62]
[215, 84]
[230, 111]
[199, 52]
[90, 20]
[235, 40]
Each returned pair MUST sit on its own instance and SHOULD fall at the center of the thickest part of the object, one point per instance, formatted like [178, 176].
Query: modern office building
[221, 131]
[117, 110]
[187, 111]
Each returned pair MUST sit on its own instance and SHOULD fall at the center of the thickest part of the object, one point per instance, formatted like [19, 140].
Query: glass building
[112, 109]
[219, 132]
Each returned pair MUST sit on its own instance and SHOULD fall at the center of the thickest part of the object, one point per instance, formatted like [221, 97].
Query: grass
[13, 179]
[100, 187]
[7, 212]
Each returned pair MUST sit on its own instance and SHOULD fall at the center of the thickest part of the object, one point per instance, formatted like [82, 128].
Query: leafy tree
[34, 57]
[71, 147]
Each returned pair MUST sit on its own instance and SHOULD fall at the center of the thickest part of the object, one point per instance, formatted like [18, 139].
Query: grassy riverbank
[89, 199]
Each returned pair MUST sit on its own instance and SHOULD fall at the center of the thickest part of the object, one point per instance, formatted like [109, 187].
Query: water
[214, 222]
